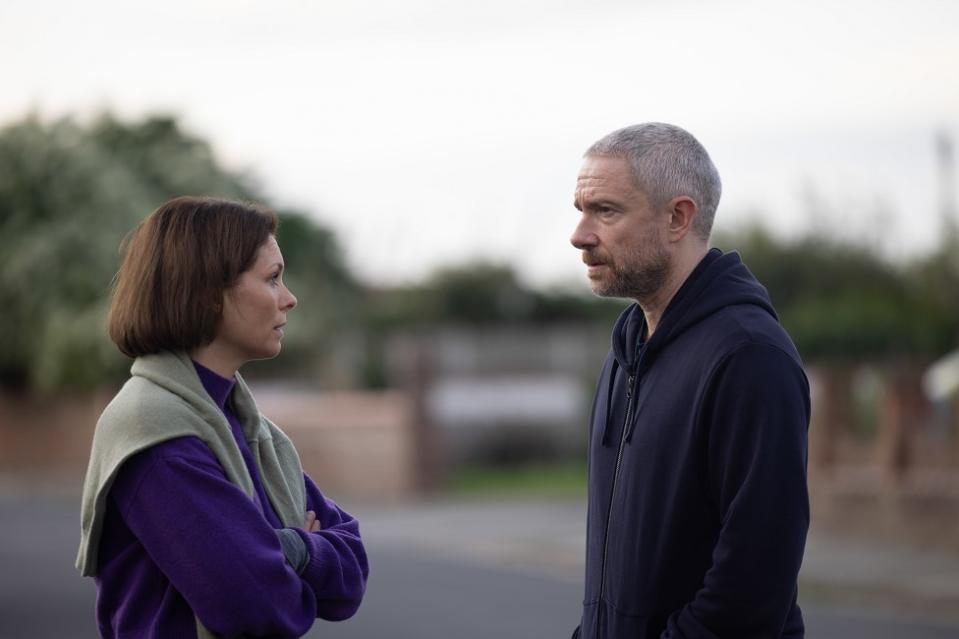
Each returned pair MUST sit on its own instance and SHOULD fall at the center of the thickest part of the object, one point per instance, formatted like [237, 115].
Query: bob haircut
[168, 293]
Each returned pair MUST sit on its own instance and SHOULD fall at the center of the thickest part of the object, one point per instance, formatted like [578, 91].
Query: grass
[554, 480]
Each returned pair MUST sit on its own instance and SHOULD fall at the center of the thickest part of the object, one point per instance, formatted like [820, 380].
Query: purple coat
[181, 542]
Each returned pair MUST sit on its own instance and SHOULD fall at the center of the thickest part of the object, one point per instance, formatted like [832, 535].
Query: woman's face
[254, 310]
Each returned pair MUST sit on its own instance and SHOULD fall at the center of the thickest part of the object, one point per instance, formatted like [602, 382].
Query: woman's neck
[217, 361]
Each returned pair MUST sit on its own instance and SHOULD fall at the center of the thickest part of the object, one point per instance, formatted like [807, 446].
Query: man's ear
[682, 213]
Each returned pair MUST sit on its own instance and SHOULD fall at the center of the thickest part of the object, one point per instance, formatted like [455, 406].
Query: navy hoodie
[698, 506]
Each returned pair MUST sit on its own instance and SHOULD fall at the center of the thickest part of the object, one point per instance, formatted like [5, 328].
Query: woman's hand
[312, 524]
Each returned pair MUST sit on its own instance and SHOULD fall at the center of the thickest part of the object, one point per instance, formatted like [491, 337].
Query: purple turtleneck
[180, 541]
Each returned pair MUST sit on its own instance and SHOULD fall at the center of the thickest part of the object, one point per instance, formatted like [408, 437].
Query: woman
[197, 518]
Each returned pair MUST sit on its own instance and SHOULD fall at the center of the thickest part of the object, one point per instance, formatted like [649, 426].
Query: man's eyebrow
[600, 202]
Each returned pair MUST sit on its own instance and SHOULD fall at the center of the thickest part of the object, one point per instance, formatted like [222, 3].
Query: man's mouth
[592, 261]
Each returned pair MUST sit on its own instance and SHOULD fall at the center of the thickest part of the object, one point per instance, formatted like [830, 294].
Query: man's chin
[605, 288]
[601, 289]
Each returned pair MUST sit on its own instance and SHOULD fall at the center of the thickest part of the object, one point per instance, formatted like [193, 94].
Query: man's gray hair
[667, 162]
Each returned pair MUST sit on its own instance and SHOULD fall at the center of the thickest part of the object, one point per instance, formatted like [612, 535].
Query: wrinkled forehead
[599, 174]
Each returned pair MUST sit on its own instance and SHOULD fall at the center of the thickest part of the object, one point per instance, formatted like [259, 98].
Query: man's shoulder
[736, 329]
[738, 325]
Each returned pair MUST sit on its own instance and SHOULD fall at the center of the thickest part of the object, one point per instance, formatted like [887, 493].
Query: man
[698, 507]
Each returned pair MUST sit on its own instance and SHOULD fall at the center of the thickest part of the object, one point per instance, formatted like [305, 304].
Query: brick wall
[352, 444]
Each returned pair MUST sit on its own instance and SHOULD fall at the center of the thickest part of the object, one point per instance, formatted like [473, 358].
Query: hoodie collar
[719, 280]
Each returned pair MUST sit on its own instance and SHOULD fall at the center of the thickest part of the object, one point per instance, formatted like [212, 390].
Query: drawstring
[639, 364]
[610, 388]
[629, 428]
[609, 401]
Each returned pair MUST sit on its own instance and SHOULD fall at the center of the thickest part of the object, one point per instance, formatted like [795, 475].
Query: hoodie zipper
[619, 458]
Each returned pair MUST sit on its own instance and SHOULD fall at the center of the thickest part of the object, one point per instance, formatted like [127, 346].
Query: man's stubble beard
[641, 275]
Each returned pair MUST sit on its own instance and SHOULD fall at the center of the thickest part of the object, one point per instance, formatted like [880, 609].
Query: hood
[719, 280]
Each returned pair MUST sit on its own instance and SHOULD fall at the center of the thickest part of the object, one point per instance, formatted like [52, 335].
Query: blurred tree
[479, 293]
[483, 293]
[64, 205]
[68, 195]
[563, 305]
[936, 279]
[168, 161]
[840, 300]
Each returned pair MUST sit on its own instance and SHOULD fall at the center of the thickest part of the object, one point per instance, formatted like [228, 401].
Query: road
[415, 596]
[459, 571]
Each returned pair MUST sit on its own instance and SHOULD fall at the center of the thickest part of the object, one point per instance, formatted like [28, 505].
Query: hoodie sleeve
[757, 413]
[338, 567]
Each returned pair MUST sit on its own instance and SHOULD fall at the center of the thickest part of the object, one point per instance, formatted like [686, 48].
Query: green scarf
[165, 399]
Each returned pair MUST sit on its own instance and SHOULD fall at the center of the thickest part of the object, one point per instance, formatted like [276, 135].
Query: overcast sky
[427, 132]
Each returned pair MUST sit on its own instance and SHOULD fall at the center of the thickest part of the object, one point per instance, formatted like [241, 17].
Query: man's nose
[583, 237]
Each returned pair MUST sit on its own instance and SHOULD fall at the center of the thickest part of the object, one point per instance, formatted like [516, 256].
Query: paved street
[455, 570]
[415, 596]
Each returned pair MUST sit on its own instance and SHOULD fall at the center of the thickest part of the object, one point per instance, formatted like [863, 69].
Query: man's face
[622, 237]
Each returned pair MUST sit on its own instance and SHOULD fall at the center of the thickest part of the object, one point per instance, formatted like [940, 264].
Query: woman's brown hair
[168, 293]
